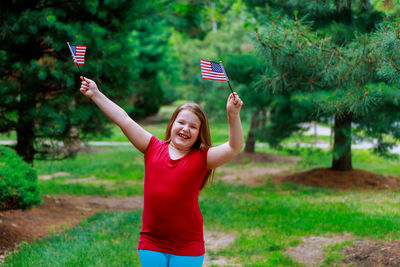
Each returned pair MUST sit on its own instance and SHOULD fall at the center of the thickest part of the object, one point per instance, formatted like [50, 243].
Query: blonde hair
[203, 140]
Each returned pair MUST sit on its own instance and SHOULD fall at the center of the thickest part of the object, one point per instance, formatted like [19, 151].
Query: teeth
[183, 136]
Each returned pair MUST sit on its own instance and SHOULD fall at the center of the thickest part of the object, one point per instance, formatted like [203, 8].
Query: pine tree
[339, 81]
[385, 44]
[335, 59]
[39, 84]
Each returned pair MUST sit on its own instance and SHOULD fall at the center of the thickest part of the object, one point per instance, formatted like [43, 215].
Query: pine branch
[264, 44]
[396, 33]
[330, 60]
[394, 65]
[7, 126]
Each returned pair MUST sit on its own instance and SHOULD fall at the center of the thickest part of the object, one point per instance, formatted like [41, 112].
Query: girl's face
[185, 130]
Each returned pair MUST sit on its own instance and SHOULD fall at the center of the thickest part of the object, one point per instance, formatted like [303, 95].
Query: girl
[176, 169]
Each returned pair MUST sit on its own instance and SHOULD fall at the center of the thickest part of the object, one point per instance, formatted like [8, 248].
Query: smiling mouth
[183, 136]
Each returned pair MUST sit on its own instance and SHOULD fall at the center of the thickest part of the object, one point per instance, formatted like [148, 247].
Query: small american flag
[78, 53]
[211, 70]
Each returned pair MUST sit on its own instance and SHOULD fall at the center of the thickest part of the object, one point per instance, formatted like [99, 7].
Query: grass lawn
[363, 159]
[107, 239]
[266, 220]
[118, 171]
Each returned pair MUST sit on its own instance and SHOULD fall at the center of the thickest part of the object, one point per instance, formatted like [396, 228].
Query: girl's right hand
[88, 87]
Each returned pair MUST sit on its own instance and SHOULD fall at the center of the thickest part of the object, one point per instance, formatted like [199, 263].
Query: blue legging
[149, 258]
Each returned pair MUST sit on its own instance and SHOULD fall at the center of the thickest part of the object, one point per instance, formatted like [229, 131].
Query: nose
[185, 128]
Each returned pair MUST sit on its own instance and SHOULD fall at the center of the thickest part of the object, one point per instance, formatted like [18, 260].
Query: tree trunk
[365, 5]
[343, 11]
[214, 22]
[72, 142]
[26, 123]
[342, 144]
[251, 137]
[25, 137]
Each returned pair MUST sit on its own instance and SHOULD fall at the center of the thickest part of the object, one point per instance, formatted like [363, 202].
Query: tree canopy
[38, 81]
[340, 80]
[314, 60]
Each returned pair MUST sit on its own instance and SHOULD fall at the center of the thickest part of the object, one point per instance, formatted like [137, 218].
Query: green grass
[266, 220]
[107, 239]
[116, 189]
[334, 253]
[120, 163]
[269, 219]
[363, 159]
[9, 136]
[123, 163]
[123, 167]
[306, 139]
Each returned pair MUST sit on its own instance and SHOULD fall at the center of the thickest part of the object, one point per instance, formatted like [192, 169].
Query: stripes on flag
[78, 54]
[211, 70]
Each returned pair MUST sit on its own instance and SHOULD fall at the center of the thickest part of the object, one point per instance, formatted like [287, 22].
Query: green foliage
[148, 99]
[317, 63]
[330, 18]
[386, 44]
[39, 82]
[382, 123]
[285, 113]
[231, 44]
[389, 7]
[156, 63]
[351, 81]
[197, 18]
[18, 182]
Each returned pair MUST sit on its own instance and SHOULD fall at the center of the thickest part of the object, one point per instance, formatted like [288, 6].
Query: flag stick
[72, 53]
[230, 87]
[79, 70]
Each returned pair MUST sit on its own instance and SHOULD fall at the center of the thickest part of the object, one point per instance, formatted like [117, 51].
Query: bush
[18, 182]
[148, 99]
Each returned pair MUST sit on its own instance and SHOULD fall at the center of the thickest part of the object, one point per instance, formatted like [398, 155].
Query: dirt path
[65, 211]
[311, 252]
[215, 241]
[54, 215]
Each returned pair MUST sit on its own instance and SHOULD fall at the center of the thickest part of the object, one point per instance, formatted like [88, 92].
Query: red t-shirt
[172, 220]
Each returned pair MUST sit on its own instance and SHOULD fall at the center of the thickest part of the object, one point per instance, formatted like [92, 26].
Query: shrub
[148, 99]
[18, 182]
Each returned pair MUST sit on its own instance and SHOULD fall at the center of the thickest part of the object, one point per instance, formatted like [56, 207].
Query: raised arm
[226, 152]
[138, 136]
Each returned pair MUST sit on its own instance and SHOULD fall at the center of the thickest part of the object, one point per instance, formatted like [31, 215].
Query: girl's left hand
[234, 104]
